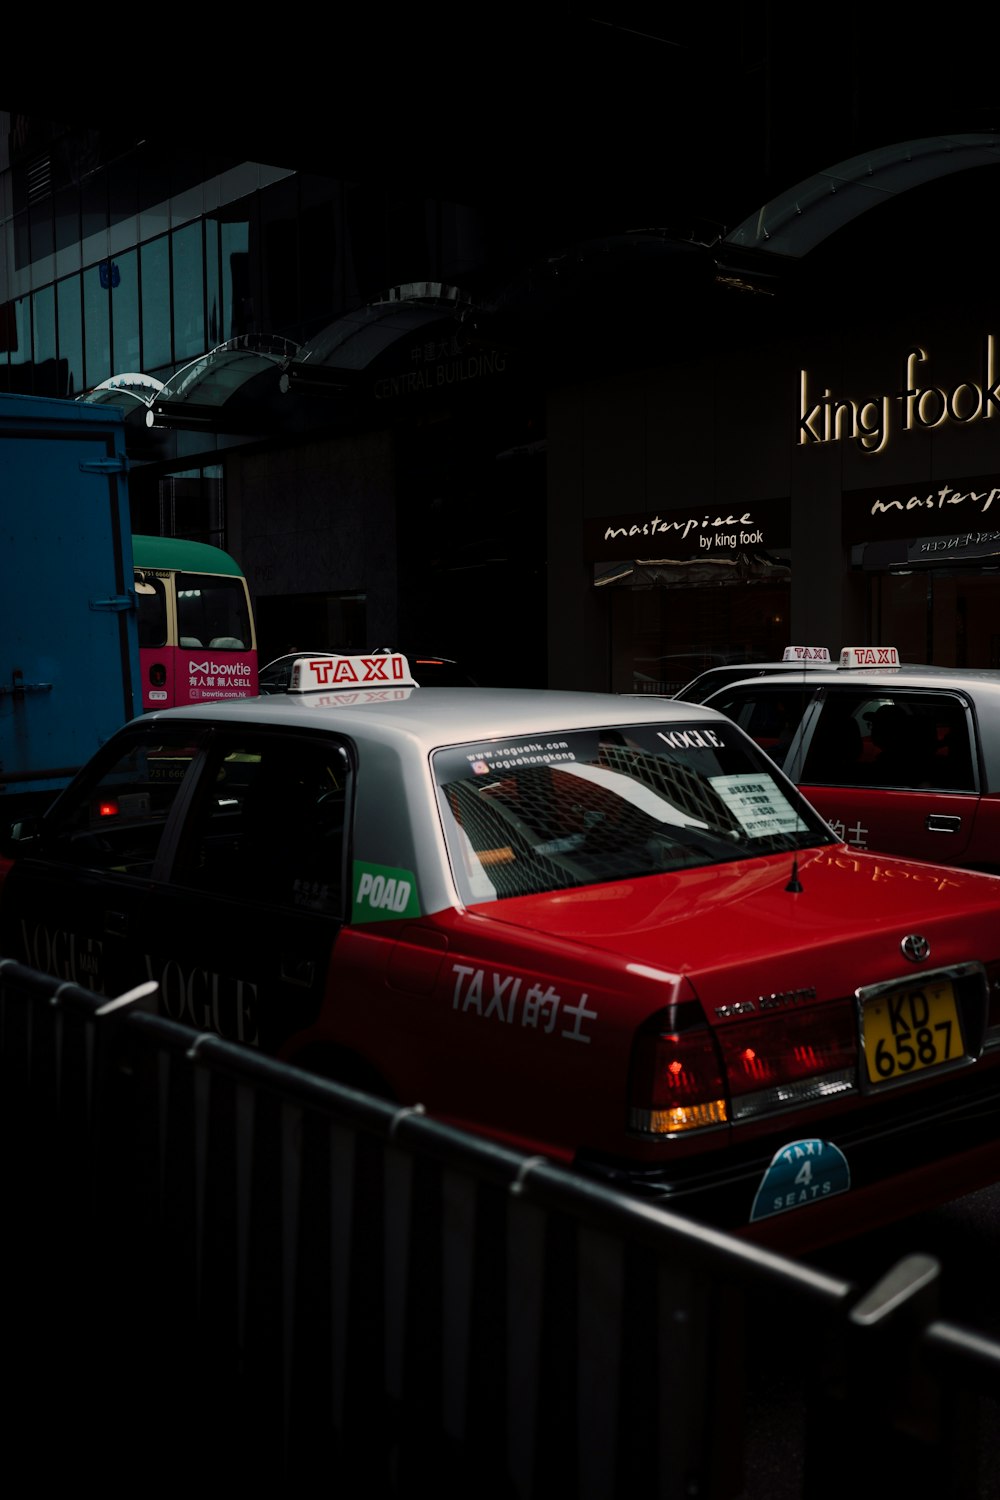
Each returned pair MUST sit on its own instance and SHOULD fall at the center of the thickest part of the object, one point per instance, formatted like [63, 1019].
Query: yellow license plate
[906, 1030]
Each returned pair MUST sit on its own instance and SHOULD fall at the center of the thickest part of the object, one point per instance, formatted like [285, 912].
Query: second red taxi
[902, 759]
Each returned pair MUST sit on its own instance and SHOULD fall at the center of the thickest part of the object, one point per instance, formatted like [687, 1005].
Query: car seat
[906, 744]
[834, 755]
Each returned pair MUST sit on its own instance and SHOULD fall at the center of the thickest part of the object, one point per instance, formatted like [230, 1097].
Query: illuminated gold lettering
[921, 407]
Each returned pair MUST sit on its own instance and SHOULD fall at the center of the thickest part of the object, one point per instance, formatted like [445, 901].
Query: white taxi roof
[436, 716]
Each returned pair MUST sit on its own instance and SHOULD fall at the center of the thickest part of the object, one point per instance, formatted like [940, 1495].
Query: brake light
[787, 1046]
[677, 1082]
[687, 1079]
[790, 1057]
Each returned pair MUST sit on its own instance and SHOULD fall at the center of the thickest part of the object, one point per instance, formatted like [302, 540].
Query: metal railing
[216, 1263]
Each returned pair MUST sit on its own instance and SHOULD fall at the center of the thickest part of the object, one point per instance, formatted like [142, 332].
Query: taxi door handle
[943, 823]
[115, 923]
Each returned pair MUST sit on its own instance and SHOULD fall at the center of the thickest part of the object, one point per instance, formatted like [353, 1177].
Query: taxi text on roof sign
[869, 656]
[805, 653]
[315, 674]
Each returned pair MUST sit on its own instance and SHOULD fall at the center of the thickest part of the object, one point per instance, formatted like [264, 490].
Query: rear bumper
[897, 1164]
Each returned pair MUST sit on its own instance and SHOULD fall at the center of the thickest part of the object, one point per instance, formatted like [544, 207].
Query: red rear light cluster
[677, 1082]
[790, 1057]
[687, 1078]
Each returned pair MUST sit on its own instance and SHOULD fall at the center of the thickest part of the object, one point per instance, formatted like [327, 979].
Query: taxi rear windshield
[523, 816]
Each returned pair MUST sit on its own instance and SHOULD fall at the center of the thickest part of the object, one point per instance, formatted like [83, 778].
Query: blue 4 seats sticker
[801, 1172]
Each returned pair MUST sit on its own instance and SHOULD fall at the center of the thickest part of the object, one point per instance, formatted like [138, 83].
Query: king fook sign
[919, 406]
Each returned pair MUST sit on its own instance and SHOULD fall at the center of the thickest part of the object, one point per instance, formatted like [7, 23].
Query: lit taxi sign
[323, 674]
[805, 653]
[869, 656]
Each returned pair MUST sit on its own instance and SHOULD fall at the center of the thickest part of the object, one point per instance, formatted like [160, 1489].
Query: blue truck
[69, 642]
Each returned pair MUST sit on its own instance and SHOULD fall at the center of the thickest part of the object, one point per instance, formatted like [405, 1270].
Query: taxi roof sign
[869, 656]
[324, 674]
[805, 653]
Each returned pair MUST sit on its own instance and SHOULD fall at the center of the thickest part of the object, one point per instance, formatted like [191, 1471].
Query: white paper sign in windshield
[758, 804]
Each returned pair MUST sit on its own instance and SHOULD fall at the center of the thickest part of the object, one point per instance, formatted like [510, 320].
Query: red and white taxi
[902, 759]
[605, 929]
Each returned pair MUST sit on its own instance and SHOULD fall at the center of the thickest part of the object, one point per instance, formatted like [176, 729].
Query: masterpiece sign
[705, 531]
[932, 508]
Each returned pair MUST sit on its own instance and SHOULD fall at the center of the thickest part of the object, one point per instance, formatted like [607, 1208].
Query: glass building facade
[116, 257]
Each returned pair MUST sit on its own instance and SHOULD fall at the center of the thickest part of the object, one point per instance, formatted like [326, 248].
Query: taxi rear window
[529, 815]
[114, 820]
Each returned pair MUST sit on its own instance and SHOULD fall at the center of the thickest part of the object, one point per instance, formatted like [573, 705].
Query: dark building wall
[718, 424]
[318, 518]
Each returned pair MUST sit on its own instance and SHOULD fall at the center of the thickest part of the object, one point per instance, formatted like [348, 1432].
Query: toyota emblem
[915, 948]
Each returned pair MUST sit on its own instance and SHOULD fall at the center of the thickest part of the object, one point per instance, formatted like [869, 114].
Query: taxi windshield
[528, 815]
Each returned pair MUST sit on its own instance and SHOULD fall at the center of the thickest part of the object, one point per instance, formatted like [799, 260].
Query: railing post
[875, 1427]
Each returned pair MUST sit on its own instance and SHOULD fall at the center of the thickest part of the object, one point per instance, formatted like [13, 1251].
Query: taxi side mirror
[14, 836]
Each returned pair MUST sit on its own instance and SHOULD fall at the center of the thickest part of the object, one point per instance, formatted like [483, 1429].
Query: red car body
[603, 930]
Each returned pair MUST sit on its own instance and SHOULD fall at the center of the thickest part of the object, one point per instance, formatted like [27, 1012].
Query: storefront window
[97, 323]
[67, 218]
[237, 292]
[46, 382]
[125, 313]
[663, 635]
[189, 292]
[946, 618]
[70, 333]
[191, 504]
[94, 205]
[155, 271]
[42, 229]
[20, 346]
[213, 291]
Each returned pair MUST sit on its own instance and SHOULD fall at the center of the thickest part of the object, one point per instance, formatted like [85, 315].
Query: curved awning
[129, 390]
[361, 342]
[579, 300]
[236, 387]
[798, 220]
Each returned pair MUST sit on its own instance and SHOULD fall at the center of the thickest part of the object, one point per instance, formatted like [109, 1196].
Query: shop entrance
[948, 617]
[665, 634]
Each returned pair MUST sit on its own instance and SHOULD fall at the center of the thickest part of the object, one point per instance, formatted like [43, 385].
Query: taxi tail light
[786, 1048]
[677, 1082]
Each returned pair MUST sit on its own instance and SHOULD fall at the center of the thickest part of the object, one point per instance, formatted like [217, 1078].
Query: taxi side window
[116, 821]
[768, 713]
[269, 824]
[903, 740]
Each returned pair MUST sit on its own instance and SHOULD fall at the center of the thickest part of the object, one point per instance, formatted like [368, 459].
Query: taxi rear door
[76, 901]
[250, 908]
[893, 769]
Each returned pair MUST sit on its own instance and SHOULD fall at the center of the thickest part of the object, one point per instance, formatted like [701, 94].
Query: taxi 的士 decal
[899, 759]
[605, 929]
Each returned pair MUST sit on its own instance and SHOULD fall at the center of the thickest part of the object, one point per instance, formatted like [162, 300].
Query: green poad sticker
[381, 892]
